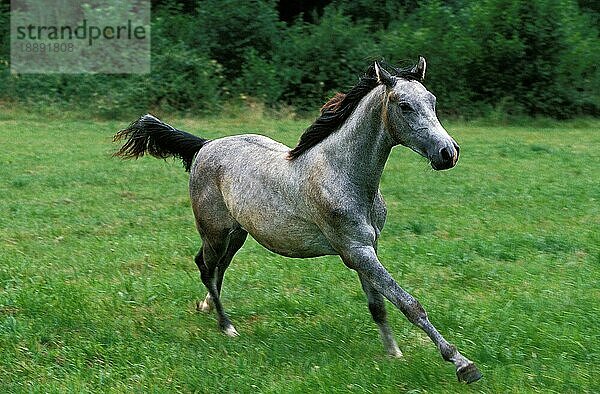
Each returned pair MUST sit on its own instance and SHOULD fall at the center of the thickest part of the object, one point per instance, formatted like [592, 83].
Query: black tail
[149, 134]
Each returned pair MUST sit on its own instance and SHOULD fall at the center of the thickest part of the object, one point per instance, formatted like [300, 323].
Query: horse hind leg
[207, 260]
[237, 239]
[212, 261]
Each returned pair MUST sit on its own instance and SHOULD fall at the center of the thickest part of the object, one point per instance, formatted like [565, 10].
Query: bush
[524, 49]
[261, 79]
[230, 28]
[182, 79]
[318, 59]
[513, 57]
[531, 57]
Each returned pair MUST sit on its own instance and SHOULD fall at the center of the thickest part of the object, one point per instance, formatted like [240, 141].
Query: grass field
[98, 285]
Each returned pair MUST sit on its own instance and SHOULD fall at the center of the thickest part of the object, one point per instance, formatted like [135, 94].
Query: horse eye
[405, 107]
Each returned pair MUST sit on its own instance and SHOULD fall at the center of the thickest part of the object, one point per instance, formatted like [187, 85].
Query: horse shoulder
[343, 216]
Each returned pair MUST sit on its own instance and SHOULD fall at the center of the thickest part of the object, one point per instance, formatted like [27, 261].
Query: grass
[97, 282]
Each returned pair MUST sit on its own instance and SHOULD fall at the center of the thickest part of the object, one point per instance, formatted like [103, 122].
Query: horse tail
[150, 135]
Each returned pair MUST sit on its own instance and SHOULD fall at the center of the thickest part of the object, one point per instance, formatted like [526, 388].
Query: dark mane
[337, 110]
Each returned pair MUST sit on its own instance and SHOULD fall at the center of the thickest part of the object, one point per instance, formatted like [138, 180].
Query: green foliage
[4, 39]
[316, 60]
[494, 58]
[260, 78]
[378, 14]
[230, 28]
[517, 57]
[523, 48]
[183, 79]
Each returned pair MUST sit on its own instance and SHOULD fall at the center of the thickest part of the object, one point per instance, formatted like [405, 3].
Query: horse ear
[420, 68]
[383, 76]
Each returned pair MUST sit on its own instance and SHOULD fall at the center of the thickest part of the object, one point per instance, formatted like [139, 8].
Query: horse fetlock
[226, 326]
[448, 352]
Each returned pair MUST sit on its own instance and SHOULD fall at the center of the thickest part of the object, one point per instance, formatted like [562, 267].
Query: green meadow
[98, 284]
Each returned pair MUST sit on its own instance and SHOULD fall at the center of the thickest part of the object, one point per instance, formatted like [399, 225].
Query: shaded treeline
[521, 57]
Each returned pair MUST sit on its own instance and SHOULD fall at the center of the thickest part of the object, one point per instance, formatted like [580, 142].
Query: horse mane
[339, 108]
[334, 103]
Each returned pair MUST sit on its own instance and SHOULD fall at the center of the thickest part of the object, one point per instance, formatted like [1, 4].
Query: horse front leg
[364, 260]
[377, 308]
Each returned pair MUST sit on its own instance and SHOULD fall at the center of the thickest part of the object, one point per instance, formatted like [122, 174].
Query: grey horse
[320, 198]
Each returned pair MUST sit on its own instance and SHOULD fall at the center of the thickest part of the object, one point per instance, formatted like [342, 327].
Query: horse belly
[286, 235]
[279, 227]
[301, 247]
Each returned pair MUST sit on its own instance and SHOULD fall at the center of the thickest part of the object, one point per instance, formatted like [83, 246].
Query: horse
[320, 198]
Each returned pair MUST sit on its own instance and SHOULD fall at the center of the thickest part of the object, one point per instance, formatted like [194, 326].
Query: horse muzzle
[446, 157]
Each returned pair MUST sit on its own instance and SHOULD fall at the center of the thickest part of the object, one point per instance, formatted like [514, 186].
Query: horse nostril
[446, 156]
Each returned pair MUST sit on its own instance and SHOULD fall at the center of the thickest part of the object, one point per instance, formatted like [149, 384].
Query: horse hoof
[468, 374]
[203, 306]
[230, 331]
[395, 353]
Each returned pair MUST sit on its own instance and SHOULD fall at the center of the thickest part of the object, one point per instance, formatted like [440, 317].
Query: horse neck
[359, 149]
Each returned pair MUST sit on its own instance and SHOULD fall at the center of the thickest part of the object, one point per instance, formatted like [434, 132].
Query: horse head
[409, 115]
